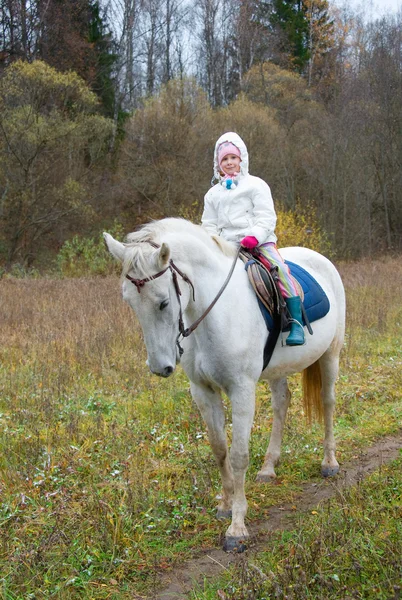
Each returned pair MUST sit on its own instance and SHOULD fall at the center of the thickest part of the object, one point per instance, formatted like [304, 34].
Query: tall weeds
[106, 475]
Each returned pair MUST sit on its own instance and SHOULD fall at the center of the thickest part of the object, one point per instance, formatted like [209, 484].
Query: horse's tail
[312, 392]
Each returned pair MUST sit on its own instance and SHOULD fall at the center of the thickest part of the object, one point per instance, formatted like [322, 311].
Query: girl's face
[230, 164]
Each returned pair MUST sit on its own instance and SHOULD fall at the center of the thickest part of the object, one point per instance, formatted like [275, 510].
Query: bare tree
[18, 30]
[174, 23]
[210, 47]
[320, 33]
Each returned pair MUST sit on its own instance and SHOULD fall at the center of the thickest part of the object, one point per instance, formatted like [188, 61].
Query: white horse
[225, 352]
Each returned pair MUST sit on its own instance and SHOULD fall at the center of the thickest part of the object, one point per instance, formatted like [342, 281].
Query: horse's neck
[202, 259]
[209, 270]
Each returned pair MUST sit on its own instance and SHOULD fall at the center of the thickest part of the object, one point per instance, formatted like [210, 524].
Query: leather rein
[183, 332]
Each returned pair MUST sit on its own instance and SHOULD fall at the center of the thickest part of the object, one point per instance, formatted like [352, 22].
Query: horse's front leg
[210, 405]
[280, 400]
[243, 404]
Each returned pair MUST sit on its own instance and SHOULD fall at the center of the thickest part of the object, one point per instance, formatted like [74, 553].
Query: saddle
[264, 280]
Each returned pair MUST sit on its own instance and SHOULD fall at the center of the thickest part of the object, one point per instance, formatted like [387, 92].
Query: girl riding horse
[240, 209]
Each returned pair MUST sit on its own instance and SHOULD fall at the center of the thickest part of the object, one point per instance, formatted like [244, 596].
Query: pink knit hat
[225, 149]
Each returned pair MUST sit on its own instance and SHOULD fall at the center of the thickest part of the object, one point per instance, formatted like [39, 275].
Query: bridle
[183, 332]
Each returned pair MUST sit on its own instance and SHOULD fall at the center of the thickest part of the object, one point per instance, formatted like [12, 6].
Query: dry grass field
[106, 476]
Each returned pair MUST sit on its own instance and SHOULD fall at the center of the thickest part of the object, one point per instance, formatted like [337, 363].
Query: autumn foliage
[314, 93]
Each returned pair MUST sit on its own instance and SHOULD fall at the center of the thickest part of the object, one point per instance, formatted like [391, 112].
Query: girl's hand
[249, 242]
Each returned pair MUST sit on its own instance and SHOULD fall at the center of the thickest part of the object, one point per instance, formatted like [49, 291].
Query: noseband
[183, 332]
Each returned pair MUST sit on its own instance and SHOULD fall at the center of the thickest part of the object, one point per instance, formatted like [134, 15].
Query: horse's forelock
[137, 257]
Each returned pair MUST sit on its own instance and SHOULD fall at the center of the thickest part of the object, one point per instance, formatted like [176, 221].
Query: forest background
[109, 111]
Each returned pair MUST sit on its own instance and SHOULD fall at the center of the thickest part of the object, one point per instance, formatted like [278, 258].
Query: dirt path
[178, 583]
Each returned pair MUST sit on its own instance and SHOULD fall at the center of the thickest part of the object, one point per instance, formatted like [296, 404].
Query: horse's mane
[138, 253]
[155, 229]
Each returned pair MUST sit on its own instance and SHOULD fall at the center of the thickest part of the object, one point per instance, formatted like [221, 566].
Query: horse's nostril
[168, 371]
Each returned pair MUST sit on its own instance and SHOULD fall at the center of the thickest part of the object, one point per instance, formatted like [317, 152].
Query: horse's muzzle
[167, 371]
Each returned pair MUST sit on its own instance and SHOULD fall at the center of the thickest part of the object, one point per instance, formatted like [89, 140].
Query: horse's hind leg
[329, 365]
[210, 405]
[280, 403]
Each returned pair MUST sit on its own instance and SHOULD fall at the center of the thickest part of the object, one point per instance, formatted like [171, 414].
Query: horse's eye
[163, 304]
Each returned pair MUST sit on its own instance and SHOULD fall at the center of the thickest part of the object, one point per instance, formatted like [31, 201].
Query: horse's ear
[164, 254]
[115, 248]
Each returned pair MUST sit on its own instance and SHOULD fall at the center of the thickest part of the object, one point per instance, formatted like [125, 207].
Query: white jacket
[248, 209]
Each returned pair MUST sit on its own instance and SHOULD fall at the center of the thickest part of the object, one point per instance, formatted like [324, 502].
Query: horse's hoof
[328, 471]
[223, 514]
[234, 544]
[265, 477]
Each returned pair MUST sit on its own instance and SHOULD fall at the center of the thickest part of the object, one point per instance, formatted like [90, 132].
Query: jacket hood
[235, 139]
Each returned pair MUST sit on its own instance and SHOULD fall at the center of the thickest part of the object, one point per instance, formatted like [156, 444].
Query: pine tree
[290, 17]
[63, 36]
[307, 33]
[73, 37]
[104, 57]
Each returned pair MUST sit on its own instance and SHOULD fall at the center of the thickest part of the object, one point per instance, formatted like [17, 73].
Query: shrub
[52, 147]
[84, 256]
[301, 228]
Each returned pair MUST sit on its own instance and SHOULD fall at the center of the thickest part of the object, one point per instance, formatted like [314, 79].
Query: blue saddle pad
[316, 303]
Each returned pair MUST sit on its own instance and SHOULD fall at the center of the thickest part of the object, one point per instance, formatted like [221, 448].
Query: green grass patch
[350, 547]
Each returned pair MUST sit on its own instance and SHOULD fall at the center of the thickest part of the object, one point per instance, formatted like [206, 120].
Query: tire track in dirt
[210, 563]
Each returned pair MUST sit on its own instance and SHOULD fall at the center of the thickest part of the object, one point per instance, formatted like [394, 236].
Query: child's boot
[296, 335]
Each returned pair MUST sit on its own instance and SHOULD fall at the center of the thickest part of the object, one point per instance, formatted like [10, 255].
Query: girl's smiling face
[230, 164]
